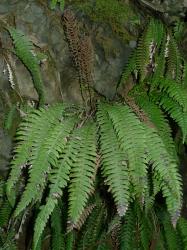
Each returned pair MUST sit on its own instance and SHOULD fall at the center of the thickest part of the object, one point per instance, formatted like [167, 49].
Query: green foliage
[24, 50]
[53, 4]
[67, 154]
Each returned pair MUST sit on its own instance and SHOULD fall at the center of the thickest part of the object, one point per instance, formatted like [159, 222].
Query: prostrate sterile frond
[24, 49]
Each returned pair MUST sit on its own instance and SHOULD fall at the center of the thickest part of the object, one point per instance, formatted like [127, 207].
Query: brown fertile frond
[81, 49]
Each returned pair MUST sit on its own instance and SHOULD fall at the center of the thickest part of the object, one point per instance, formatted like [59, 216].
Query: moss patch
[118, 14]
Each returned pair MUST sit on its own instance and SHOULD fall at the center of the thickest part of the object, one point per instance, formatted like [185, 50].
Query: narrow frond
[82, 171]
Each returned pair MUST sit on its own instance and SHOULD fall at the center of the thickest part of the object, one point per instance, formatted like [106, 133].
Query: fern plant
[126, 147]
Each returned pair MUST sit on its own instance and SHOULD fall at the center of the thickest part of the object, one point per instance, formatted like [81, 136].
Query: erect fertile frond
[24, 50]
[114, 162]
[83, 170]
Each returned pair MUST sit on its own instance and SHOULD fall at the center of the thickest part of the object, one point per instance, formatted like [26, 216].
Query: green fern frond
[93, 227]
[146, 230]
[58, 242]
[129, 69]
[165, 171]
[158, 118]
[174, 110]
[9, 117]
[45, 141]
[173, 90]
[82, 171]
[127, 232]
[82, 219]
[53, 4]
[184, 74]
[32, 131]
[174, 60]
[5, 212]
[70, 240]
[151, 38]
[182, 227]
[114, 162]
[58, 177]
[24, 50]
[160, 61]
[169, 232]
[126, 124]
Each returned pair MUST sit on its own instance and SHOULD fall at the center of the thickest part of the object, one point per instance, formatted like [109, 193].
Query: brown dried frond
[86, 60]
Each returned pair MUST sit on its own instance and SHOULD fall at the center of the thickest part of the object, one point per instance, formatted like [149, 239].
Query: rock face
[44, 28]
